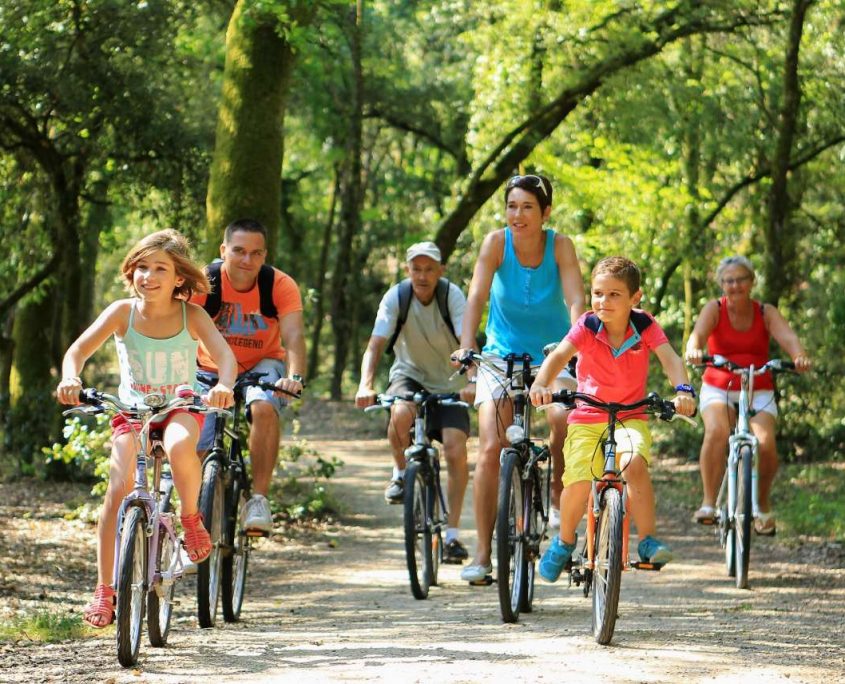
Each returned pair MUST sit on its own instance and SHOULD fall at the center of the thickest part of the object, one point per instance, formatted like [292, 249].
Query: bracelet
[74, 379]
[471, 381]
[689, 389]
[296, 377]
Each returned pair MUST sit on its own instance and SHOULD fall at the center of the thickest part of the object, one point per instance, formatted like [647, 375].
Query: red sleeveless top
[743, 348]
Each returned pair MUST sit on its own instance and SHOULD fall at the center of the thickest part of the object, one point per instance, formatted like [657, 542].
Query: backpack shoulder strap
[213, 300]
[404, 306]
[266, 279]
[441, 293]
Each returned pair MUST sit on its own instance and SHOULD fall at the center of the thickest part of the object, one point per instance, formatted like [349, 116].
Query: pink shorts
[120, 425]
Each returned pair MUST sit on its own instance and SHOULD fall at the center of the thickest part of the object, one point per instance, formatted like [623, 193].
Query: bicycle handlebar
[97, 402]
[654, 403]
[774, 365]
[248, 379]
[385, 401]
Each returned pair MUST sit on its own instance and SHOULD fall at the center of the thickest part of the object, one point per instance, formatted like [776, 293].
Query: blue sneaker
[652, 550]
[555, 558]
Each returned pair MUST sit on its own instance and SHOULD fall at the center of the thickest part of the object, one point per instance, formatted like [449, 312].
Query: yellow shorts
[583, 451]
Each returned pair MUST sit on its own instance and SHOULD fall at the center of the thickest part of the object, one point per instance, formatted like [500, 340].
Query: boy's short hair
[620, 268]
[246, 225]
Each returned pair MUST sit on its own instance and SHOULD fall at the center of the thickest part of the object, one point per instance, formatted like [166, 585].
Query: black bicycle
[226, 487]
[524, 487]
[425, 510]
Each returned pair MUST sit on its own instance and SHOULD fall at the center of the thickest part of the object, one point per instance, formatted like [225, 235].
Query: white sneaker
[476, 573]
[554, 518]
[257, 514]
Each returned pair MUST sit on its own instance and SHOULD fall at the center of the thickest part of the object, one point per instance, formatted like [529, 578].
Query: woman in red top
[739, 328]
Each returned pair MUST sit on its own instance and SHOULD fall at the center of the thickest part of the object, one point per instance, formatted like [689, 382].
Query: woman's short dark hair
[539, 186]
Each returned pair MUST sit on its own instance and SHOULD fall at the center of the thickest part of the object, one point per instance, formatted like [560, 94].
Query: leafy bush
[87, 449]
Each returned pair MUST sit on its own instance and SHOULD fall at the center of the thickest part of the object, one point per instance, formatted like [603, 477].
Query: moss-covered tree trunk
[246, 168]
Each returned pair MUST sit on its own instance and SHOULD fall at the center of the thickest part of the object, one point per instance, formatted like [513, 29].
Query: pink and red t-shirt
[251, 336]
[613, 375]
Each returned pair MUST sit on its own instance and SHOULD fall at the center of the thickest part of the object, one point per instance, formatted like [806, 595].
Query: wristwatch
[296, 377]
[689, 389]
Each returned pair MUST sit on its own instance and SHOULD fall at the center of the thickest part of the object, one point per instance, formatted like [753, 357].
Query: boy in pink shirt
[613, 343]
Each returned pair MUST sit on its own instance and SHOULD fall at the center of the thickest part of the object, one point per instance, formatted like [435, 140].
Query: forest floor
[331, 602]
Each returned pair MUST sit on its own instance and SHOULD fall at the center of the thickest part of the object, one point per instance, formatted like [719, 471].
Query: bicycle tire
[160, 609]
[436, 525]
[607, 573]
[537, 502]
[510, 538]
[743, 516]
[727, 539]
[208, 572]
[236, 556]
[417, 531]
[131, 586]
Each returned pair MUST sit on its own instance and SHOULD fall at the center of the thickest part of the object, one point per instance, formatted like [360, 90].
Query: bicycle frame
[741, 436]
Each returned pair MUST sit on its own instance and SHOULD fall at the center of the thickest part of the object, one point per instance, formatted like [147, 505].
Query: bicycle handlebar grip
[563, 397]
[90, 396]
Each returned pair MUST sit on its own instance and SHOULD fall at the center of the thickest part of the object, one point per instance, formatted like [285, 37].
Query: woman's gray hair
[734, 261]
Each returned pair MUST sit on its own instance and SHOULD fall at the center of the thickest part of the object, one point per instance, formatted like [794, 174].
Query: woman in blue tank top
[532, 278]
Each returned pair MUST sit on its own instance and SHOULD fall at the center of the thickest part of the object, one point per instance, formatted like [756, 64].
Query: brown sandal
[101, 608]
[197, 539]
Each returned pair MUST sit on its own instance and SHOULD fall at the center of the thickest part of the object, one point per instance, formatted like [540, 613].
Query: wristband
[689, 389]
[296, 377]
[75, 379]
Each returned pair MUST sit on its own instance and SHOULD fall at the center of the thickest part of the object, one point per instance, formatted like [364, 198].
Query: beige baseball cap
[428, 249]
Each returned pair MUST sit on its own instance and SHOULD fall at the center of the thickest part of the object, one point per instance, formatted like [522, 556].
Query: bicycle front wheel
[235, 559]
[512, 563]
[131, 586]
[160, 597]
[208, 572]
[607, 574]
[418, 538]
[742, 520]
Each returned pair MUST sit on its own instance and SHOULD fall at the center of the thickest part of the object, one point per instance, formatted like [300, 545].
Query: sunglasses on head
[538, 182]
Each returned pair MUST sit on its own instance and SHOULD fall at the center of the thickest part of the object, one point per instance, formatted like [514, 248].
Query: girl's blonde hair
[178, 248]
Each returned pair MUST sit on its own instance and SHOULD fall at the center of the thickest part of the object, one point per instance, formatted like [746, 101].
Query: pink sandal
[197, 540]
[101, 608]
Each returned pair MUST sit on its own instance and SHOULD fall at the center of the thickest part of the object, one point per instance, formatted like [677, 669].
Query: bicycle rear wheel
[418, 538]
[607, 574]
[131, 585]
[511, 519]
[742, 521]
[208, 572]
[235, 559]
[160, 607]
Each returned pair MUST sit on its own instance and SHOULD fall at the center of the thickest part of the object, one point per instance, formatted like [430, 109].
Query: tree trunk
[320, 286]
[781, 240]
[350, 212]
[245, 180]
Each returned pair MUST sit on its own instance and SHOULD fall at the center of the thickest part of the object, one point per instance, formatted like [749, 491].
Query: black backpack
[266, 277]
[441, 294]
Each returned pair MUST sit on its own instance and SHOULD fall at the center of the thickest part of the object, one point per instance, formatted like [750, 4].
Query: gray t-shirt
[425, 342]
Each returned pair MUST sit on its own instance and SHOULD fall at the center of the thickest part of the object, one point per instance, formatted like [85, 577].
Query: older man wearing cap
[422, 346]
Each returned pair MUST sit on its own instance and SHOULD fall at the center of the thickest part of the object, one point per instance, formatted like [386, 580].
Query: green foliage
[301, 491]
[809, 500]
[43, 626]
[85, 449]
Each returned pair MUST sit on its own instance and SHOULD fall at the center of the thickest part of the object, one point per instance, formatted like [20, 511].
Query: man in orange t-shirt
[256, 341]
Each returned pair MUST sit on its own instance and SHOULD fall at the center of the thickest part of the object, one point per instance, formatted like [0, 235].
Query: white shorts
[492, 385]
[763, 400]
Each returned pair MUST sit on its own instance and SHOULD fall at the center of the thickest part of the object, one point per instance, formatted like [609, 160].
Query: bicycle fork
[736, 443]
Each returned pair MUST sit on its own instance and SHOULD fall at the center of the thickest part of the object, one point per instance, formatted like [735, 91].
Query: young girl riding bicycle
[613, 343]
[156, 333]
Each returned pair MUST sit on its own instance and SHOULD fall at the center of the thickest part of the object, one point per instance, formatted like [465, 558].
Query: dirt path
[336, 606]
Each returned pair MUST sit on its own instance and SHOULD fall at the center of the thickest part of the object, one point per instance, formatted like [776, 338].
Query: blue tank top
[151, 365]
[527, 308]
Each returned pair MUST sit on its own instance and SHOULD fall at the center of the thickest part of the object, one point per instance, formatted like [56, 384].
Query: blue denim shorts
[274, 370]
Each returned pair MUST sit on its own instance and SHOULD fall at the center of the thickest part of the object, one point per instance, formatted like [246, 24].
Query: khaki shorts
[492, 385]
[583, 450]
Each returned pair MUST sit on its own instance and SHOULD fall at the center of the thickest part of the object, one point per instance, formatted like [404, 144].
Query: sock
[398, 474]
[451, 534]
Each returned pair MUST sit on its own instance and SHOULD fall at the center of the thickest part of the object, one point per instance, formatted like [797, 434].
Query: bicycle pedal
[643, 565]
[486, 582]
[256, 533]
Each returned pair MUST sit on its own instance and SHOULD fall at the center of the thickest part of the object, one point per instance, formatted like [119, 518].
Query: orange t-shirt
[251, 336]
